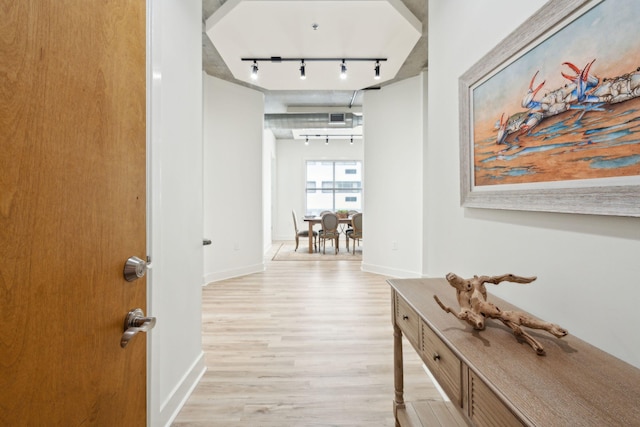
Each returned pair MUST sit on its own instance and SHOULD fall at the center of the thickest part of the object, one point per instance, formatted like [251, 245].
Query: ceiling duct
[312, 120]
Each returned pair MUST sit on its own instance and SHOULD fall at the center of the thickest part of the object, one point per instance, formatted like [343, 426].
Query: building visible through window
[333, 185]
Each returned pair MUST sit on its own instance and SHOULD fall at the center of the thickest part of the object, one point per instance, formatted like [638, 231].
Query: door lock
[135, 322]
[135, 268]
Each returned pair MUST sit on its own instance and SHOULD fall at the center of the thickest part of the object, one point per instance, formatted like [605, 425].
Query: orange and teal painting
[567, 108]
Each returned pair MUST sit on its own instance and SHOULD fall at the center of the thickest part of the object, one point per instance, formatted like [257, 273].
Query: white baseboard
[392, 272]
[170, 408]
[229, 274]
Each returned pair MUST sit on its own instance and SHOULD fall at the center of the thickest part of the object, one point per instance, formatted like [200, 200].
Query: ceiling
[391, 29]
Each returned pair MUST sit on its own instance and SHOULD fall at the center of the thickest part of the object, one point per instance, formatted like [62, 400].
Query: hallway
[305, 343]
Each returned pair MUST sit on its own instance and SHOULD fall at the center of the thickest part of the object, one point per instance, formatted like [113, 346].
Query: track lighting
[303, 64]
[343, 70]
[328, 136]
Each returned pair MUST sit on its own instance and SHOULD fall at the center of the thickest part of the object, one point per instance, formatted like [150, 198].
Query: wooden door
[72, 210]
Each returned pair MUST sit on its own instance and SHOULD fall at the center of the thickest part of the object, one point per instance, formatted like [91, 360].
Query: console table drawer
[443, 364]
[485, 409]
[407, 320]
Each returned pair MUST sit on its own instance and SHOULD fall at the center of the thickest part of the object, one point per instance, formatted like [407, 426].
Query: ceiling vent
[336, 118]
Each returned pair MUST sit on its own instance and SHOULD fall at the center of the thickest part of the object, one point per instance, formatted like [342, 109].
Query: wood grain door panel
[72, 210]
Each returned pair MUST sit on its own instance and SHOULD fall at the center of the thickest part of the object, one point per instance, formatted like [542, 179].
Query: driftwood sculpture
[474, 307]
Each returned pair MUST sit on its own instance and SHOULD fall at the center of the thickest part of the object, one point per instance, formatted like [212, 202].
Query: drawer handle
[436, 356]
[405, 317]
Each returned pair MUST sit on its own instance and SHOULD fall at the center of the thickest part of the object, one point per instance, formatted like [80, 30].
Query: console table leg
[398, 373]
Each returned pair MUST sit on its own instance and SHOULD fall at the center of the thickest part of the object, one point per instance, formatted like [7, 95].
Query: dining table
[317, 220]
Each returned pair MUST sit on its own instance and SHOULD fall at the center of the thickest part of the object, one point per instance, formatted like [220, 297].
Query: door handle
[135, 322]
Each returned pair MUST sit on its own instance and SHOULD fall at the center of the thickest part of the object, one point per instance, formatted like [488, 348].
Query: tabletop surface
[318, 219]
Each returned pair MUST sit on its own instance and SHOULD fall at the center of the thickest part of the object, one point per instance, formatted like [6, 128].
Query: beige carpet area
[286, 252]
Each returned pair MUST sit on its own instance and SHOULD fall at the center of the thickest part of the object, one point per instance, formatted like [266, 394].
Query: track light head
[326, 142]
[343, 70]
[377, 71]
[303, 74]
[351, 140]
[254, 70]
[306, 141]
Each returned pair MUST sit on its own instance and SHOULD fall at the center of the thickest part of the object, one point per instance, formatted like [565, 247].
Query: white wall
[175, 196]
[587, 266]
[394, 134]
[233, 162]
[291, 157]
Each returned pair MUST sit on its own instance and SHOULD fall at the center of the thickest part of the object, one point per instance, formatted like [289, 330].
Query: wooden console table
[495, 380]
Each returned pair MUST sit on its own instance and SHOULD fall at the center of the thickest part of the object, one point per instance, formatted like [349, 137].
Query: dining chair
[349, 229]
[355, 232]
[303, 233]
[320, 215]
[329, 223]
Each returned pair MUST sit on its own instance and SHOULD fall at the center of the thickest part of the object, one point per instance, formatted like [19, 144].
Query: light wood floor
[305, 343]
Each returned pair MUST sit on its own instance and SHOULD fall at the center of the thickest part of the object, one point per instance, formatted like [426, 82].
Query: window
[333, 185]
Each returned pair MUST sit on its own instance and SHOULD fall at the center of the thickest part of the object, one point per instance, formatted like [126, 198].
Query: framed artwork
[550, 118]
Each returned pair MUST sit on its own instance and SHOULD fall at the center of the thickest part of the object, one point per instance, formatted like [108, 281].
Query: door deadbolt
[135, 268]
